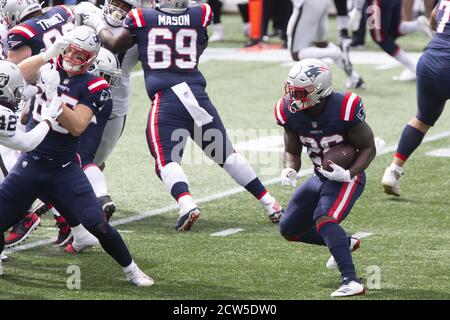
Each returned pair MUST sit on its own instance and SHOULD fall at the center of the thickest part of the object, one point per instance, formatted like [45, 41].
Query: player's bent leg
[98, 182]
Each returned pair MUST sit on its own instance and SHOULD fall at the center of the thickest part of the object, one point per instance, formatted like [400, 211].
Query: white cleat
[406, 75]
[218, 33]
[274, 211]
[138, 278]
[352, 288]
[391, 181]
[3, 257]
[424, 26]
[354, 245]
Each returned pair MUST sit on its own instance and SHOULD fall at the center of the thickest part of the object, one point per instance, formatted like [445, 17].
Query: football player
[169, 53]
[112, 15]
[31, 31]
[51, 171]
[386, 26]
[318, 118]
[432, 92]
[309, 24]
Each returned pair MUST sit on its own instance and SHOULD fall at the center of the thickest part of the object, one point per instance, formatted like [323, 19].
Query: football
[343, 155]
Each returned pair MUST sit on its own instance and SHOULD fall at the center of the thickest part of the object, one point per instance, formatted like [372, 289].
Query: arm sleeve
[26, 141]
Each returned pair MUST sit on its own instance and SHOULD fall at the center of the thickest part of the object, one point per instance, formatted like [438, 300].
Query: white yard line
[362, 234]
[226, 232]
[213, 197]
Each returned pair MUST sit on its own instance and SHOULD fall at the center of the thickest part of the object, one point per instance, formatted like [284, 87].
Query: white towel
[200, 115]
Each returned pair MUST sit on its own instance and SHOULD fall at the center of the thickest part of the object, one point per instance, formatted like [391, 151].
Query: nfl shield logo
[314, 125]
[4, 78]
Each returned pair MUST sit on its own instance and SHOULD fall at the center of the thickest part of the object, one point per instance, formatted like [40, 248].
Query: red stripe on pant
[153, 132]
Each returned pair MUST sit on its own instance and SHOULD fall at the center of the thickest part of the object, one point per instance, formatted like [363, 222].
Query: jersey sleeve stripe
[353, 109]
[279, 112]
[347, 104]
[69, 12]
[24, 30]
[206, 14]
[97, 84]
[138, 18]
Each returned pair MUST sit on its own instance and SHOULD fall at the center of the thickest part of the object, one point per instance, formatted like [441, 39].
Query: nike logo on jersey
[65, 165]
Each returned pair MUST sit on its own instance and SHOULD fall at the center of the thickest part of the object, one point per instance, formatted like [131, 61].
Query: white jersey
[3, 41]
[121, 95]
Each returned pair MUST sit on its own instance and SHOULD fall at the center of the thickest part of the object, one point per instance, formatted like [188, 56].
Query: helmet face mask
[308, 82]
[107, 66]
[115, 11]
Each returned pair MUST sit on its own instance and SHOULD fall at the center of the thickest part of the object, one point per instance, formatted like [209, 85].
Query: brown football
[343, 155]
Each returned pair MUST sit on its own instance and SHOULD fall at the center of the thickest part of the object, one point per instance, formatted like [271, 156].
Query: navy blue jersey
[170, 45]
[329, 128]
[59, 145]
[40, 32]
[436, 59]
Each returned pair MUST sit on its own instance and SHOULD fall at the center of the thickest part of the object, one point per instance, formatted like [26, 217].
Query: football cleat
[22, 229]
[274, 211]
[39, 208]
[108, 206]
[391, 181]
[186, 221]
[406, 75]
[355, 82]
[424, 26]
[79, 245]
[349, 288]
[139, 278]
[354, 245]
[4, 258]
[64, 234]
[218, 33]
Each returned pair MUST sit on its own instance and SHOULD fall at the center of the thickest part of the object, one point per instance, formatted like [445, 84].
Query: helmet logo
[4, 79]
[314, 72]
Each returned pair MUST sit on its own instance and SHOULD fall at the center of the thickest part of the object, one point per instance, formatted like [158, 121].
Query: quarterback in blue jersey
[30, 29]
[433, 82]
[315, 116]
[51, 171]
[170, 40]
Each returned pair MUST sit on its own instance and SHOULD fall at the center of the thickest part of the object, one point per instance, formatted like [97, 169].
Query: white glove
[52, 110]
[354, 19]
[338, 173]
[288, 177]
[50, 81]
[95, 20]
[57, 47]
[82, 10]
[30, 91]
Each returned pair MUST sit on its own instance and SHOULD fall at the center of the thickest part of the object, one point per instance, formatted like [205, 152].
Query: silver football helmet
[83, 50]
[107, 66]
[12, 85]
[13, 11]
[115, 11]
[173, 6]
[308, 82]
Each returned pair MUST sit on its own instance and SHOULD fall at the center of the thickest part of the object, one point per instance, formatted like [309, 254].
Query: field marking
[216, 196]
[362, 234]
[441, 153]
[226, 232]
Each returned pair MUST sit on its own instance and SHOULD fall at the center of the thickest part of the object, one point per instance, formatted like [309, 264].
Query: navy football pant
[384, 22]
[69, 190]
[170, 124]
[318, 197]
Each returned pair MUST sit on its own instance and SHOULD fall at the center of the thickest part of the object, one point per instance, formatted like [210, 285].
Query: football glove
[52, 111]
[288, 177]
[57, 48]
[338, 174]
[50, 81]
[95, 20]
[84, 9]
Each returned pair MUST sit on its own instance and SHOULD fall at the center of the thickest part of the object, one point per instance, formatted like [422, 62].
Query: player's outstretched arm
[292, 150]
[118, 43]
[27, 141]
[361, 137]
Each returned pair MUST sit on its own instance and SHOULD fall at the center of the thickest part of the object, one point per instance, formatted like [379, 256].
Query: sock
[112, 243]
[131, 267]
[175, 180]
[337, 242]
[409, 141]
[405, 60]
[342, 22]
[79, 233]
[312, 237]
[97, 180]
[186, 204]
[331, 51]
[408, 27]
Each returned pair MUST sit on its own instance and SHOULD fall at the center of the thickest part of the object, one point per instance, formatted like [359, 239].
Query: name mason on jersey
[48, 23]
[183, 20]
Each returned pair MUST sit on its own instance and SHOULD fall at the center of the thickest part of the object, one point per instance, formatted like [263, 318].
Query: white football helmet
[115, 10]
[12, 85]
[13, 11]
[309, 81]
[107, 66]
[173, 6]
[83, 50]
